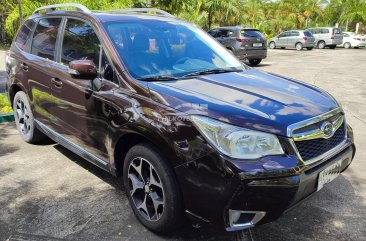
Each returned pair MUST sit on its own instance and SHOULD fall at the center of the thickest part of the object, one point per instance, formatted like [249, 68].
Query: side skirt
[72, 146]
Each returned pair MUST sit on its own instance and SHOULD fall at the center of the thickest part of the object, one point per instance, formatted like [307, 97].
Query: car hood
[252, 99]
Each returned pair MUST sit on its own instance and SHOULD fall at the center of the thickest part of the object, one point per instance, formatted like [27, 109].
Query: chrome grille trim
[301, 124]
[298, 137]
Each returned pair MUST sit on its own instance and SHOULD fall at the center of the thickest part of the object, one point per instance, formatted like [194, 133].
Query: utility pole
[20, 12]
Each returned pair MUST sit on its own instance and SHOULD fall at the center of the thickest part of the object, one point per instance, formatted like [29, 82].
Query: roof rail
[49, 8]
[142, 10]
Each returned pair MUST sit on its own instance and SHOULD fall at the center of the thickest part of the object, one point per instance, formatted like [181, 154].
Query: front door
[83, 115]
[282, 40]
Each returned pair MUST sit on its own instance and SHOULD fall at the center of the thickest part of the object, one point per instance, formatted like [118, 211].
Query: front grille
[310, 149]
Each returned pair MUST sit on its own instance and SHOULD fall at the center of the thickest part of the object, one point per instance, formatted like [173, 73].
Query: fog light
[243, 219]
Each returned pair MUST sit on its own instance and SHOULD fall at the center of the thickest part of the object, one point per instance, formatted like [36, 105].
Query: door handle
[56, 82]
[24, 66]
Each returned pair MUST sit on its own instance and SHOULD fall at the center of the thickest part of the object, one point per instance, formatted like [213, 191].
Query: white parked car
[352, 40]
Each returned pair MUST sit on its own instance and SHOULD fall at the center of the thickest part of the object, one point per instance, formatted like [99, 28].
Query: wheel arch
[14, 88]
[126, 141]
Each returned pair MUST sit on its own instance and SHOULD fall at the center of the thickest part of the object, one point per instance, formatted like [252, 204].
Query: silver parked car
[327, 37]
[297, 39]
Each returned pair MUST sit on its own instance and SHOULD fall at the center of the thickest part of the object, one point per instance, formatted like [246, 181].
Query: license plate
[257, 44]
[329, 174]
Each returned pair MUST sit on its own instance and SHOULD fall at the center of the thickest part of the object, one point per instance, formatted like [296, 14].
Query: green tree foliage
[269, 16]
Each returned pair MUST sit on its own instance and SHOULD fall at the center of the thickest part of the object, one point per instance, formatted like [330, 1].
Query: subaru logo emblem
[327, 128]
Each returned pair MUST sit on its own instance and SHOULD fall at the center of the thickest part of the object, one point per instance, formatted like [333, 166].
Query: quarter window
[24, 35]
[45, 36]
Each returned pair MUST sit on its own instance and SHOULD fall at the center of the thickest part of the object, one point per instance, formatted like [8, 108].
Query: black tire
[255, 62]
[272, 45]
[309, 48]
[24, 119]
[168, 215]
[283, 47]
[347, 45]
[332, 46]
[321, 45]
[299, 46]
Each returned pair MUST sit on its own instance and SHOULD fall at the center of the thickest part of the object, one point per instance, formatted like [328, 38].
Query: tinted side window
[212, 33]
[295, 33]
[44, 38]
[222, 33]
[324, 30]
[80, 42]
[337, 31]
[24, 34]
[282, 35]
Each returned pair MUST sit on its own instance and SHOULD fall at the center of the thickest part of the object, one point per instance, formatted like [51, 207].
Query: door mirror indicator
[83, 69]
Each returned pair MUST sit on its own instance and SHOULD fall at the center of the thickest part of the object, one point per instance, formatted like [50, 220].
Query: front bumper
[213, 187]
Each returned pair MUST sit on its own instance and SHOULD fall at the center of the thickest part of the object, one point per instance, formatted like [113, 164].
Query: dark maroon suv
[190, 129]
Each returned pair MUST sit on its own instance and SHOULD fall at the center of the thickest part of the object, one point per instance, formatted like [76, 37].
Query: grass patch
[5, 107]
[4, 46]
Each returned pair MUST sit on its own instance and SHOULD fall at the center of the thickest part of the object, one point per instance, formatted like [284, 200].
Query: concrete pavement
[49, 193]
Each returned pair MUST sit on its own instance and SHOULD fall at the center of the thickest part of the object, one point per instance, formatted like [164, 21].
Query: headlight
[237, 142]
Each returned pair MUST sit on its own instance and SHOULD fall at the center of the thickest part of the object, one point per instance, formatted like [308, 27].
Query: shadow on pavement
[187, 232]
[6, 148]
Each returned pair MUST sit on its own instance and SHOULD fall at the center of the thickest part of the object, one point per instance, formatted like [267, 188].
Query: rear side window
[80, 42]
[282, 35]
[212, 33]
[324, 30]
[24, 34]
[337, 31]
[308, 34]
[223, 33]
[295, 33]
[44, 38]
[251, 33]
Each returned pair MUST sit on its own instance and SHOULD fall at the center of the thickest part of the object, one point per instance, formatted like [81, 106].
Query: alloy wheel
[146, 189]
[23, 119]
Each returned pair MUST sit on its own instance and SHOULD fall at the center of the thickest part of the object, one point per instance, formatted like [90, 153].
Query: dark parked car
[245, 43]
[191, 133]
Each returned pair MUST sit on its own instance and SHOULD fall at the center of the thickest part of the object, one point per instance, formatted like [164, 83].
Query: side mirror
[83, 69]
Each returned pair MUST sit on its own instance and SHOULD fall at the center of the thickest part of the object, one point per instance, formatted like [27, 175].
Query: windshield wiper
[212, 71]
[158, 78]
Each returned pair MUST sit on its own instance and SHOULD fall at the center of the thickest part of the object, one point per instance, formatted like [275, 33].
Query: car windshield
[159, 49]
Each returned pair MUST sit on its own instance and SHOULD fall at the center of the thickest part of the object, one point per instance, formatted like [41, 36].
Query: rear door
[254, 39]
[40, 65]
